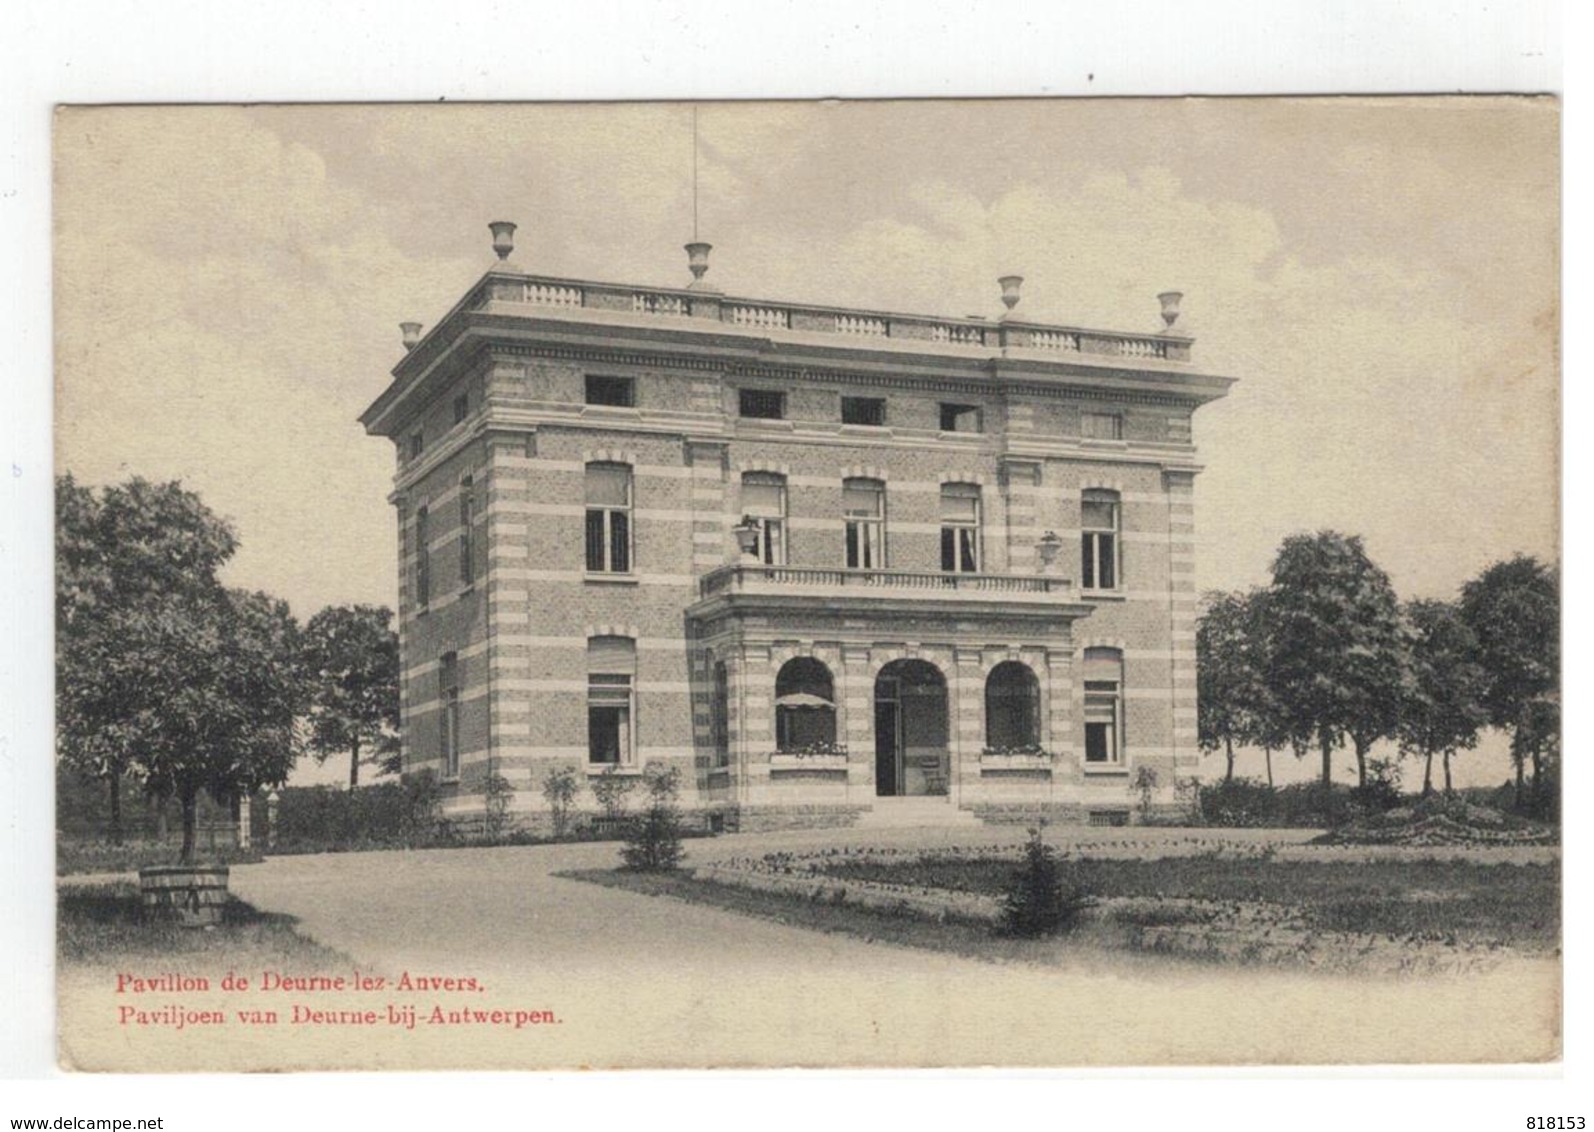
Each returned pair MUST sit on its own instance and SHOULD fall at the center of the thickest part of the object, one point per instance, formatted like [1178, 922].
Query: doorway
[910, 730]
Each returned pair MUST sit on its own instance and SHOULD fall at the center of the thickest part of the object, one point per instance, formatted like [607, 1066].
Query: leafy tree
[1443, 708]
[123, 556]
[653, 841]
[560, 785]
[1338, 655]
[1222, 674]
[351, 659]
[223, 692]
[1514, 609]
[1235, 704]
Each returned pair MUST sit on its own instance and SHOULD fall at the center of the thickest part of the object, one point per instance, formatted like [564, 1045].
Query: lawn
[1398, 916]
[1506, 904]
[101, 925]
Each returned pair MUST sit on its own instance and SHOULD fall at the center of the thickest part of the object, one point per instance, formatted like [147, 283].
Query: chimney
[412, 334]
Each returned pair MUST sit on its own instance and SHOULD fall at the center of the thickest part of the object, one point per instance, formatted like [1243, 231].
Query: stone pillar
[1180, 488]
[1020, 480]
[505, 538]
[710, 540]
[856, 690]
[1058, 733]
[968, 733]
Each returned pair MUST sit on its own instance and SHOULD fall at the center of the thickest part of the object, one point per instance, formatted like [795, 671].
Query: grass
[101, 925]
[1513, 905]
[1096, 947]
[79, 856]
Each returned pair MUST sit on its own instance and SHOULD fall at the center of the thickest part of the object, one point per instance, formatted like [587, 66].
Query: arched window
[863, 504]
[805, 705]
[1012, 707]
[960, 528]
[611, 680]
[1104, 707]
[1099, 568]
[764, 502]
[608, 491]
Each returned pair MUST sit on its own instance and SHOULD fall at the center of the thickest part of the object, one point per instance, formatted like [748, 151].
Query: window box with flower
[1025, 756]
[810, 757]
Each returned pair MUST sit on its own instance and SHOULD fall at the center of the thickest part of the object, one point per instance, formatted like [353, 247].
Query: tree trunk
[354, 765]
[1361, 763]
[1427, 774]
[1228, 746]
[1328, 762]
[1538, 791]
[116, 806]
[1449, 788]
[160, 817]
[1516, 757]
[1268, 754]
[189, 796]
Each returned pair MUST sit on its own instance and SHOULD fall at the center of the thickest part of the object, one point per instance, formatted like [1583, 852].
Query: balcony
[501, 290]
[759, 578]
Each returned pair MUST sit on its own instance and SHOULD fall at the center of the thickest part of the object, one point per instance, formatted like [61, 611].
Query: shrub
[560, 786]
[653, 841]
[662, 781]
[1144, 786]
[1040, 900]
[1240, 803]
[612, 789]
[498, 793]
[1382, 789]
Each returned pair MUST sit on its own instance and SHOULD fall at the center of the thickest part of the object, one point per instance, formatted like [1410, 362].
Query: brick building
[832, 564]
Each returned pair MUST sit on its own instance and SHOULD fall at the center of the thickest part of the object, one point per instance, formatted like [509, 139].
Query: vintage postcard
[952, 583]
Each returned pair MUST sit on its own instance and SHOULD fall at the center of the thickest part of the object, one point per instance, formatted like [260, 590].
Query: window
[1104, 707]
[608, 519]
[863, 503]
[960, 418]
[960, 528]
[461, 407]
[417, 444]
[448, 695]
[805, 708]
[1099, 567]
[863, 411]
[764, 502]
[611, 672]
[1012, 707]
[467, 532]
[617, 391]
[423, 560]
[763, 404]
[1101, 426]
[722, 715]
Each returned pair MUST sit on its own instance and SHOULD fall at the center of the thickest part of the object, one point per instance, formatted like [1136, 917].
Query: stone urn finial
[503, 237]
[697, 259]
[1010, 285]
[1170, 301]
[1047, 547]
[746, 533]
[411, 332]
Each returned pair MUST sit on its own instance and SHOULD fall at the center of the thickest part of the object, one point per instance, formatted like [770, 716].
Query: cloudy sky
[1380, 276]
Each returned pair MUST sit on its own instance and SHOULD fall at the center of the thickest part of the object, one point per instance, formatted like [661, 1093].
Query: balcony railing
[742, 577]
[759, 314]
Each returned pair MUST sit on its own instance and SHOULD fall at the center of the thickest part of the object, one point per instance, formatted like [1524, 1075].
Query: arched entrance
[910, 730]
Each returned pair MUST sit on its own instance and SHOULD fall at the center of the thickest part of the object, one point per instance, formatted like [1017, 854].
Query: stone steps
[901, 813]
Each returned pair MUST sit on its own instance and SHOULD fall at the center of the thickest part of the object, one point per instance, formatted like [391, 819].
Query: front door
[887, 739]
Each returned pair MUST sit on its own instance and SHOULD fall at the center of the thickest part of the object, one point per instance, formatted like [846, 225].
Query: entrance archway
[910, 730]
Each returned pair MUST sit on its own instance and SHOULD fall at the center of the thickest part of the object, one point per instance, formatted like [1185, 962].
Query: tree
[1222, 675]
[1338, 654]
[1514, 610]
[224, 690]
[1443, 707]
[351, 660]
[122, 555]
